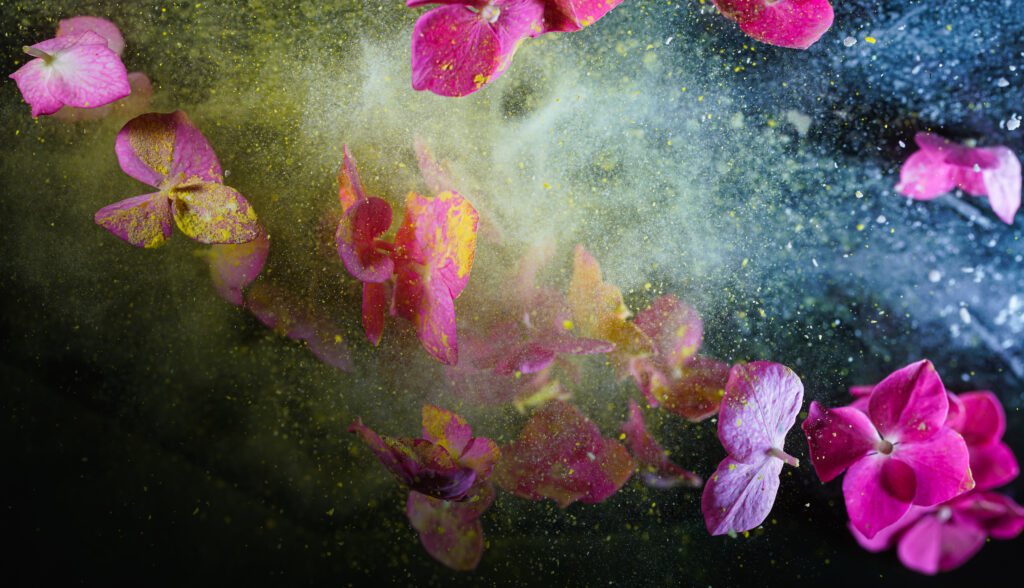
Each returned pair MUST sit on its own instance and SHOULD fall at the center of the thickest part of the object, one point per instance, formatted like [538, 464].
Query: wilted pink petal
[214, 213]
[674, 327]
[363, 222]
[155, 148]
[78, 70]
[940, 466]
[878, 491]
[458, 48]
[75, 25]
[940, 542]
[888, 536]
[375, 305]
[350, 186]
[561, 455]
[909, 404]
[297, 319]
[696, 390]
[796, 24]
[451, 531]
[419, 464]
[657, 470]
[573, 15]
[143, 221]
[233, 267]
[739, 496]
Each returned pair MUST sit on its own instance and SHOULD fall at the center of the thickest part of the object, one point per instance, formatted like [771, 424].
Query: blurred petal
[233, 267]
[984, 420]
[101, 26]
[1003, 184]
[451, 531]
[939, 544]
[657, 470]
[992, 465]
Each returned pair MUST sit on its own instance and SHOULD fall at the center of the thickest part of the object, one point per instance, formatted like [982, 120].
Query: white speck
[965, 316]
[849, 41]
[977, 168]
[592, 457]
[902, 145]
[1002, 82]
[858, 194]
[669, 40]
[227, 173]
[814, 261]
[1014, 123]
[934, 276]
[917, 69]
[880, 220]
[801, 121]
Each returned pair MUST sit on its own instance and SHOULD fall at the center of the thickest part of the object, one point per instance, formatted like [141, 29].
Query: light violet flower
[900, 453]
[760, 406]
[77, 70]
[941, 165]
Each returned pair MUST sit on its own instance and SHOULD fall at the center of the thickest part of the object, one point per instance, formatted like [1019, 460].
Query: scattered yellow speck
[860, 227]
[870, 39]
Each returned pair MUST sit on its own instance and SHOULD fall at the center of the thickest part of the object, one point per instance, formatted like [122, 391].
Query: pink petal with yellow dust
[573, 15]
[155, 148]
[451, 531]
[214, 213]
[739, 496]
[101, 26]
[143, 221]
[561, 455]
[235, 266]
[356, 239]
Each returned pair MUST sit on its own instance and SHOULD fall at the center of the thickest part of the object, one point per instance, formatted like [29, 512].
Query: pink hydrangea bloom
[760, 405]
[77, 70]
[898, 454]
[796, 24]
[942, 537]
[941, 165]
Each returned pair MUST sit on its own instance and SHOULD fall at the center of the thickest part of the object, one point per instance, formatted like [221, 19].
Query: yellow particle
[860, 227]
[547, 185]
[870, 39]
[567, 325]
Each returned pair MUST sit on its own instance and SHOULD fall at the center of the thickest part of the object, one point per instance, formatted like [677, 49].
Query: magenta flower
[561, 455]
[796, 24]
[942, 537]
[657, 470]
[419, 275]
[941, 165]
[169, 153]
[674, 376]
[898, 454]
[77, 69]
[760, 405]
[463, 45]
[443, 464]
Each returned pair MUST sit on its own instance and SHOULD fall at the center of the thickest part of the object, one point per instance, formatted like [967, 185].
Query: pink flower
[941, 165]
[942, 537]
[760, 405]
[898, 454]
[463, 45]
[796, 24]
[77, 70]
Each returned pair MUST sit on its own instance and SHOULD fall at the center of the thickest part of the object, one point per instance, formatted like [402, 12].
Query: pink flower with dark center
[898, 454]
[941, 165]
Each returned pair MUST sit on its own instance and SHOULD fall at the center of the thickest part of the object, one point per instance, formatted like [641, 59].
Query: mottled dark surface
[154, 434]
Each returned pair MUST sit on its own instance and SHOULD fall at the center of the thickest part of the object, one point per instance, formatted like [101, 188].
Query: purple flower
[900, 453]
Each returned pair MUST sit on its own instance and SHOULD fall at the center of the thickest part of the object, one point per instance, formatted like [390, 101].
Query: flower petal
[573, 15]
[1003, 184]
[925, 175]
[910, 404]
[233, 267]
[992, 465]
[878, 490]
[445, 428]
[674, 327]
[940, 465]
[143, 221]
[934, 545]
[431, 309]
[739, 496]
[888, 536]
[696, 391]
[837, 438]
[375, 305]
[101, 26]
[796, 24]
[356, 238]
[451, 531]
[760, 406]
[214, 213]
[984, 420]
[657, 470]
[154, 148]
